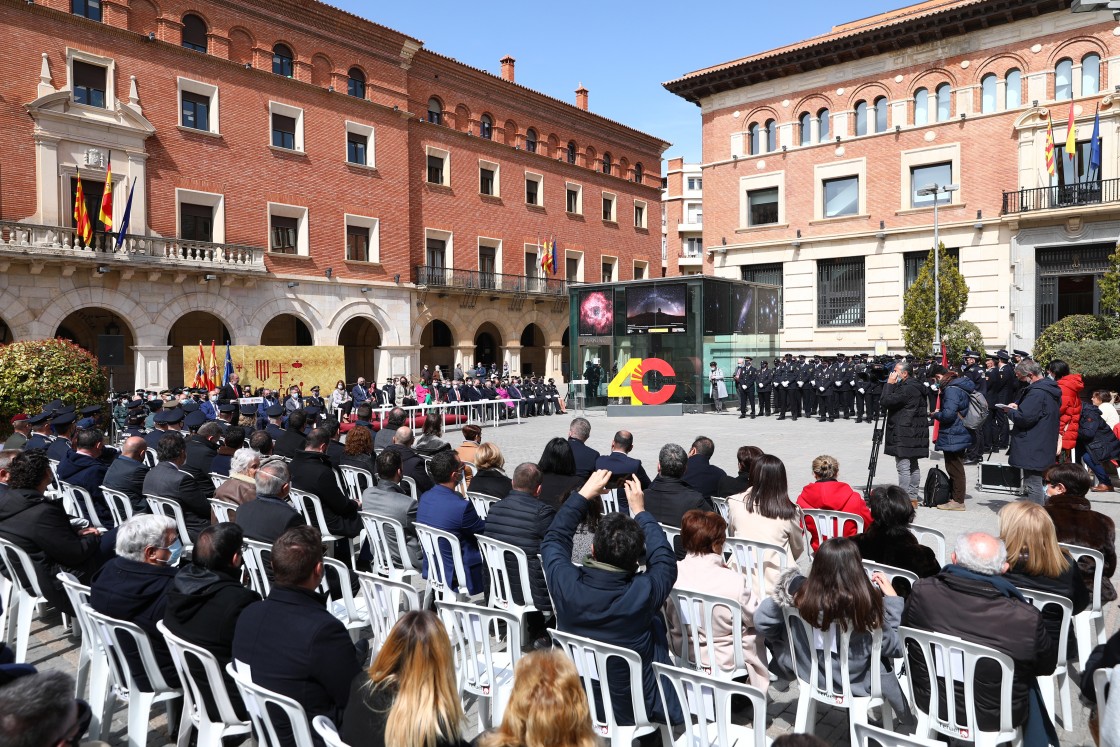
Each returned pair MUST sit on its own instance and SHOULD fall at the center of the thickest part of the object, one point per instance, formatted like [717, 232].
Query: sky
[621, 51]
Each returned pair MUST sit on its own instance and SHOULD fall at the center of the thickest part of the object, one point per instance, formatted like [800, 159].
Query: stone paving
[797, 443]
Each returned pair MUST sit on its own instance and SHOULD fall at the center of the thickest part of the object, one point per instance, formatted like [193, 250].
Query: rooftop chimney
[581, 97]
[507, 68]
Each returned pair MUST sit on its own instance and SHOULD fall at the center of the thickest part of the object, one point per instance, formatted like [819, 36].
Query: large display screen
[656, 308]
[717, 308]
[742, 310]
[769, 310]
[596, 313]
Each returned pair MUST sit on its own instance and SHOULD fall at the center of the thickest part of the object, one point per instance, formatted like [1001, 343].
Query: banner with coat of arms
[280, 366]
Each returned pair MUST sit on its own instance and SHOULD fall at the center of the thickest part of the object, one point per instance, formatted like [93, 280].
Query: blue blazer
[585, 457]
[445, 509]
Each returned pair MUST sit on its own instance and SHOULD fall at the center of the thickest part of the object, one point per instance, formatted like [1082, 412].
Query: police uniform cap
[67, 409]
[274, 411]
[87, 423]
[173, 416]
[194, 420]
[63, 420]
[1002, 355]
[1021, 353]
[91, 410]
[248, 409]
[39, 419]
[189, 406]
[155, 405]
[227, 407]
[135, 404]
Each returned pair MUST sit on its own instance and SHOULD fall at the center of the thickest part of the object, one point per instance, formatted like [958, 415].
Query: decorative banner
[279, 367]
[630, 382]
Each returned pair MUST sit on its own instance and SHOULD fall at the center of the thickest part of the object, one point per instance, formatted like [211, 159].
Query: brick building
[682, 226]
[291, 186]
[814, 154]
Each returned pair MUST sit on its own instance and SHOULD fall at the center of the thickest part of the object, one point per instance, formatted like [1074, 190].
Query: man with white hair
[240, 487]
[970, 599]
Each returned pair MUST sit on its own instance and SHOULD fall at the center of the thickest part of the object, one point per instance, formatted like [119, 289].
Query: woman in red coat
[1070, 412]
[832, 495]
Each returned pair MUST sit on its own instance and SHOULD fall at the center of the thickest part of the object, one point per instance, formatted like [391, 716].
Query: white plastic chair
[120, 506]
[611, 502]
[1089, 625]
[80, 499]
[823, 647]
[485, 674]
[710, 700]
[211, 726]
[935, 536]
[356, 481]
[828, 524]
[866, 734]
[409, 484]
[386, 534]
[350, 611]
[481, 503]
[93, 667]
[1106, 696]
[222, 509]
[258, 701]
[891, 572]
[25, 596]
[753, 558]
[439, 579]
[311, 507]
[383, 598]
[591, 659]
[1059, 680]
[217, 479]
[253, 553]
[948, 655]
[328, 731]
[150, 458]
[497, 555]
[113, 633]
[671, 534]
[695, 612]
[722, 506]
[166, 507]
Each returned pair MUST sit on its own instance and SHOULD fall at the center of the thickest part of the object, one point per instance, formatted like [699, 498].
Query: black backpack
[938, 488]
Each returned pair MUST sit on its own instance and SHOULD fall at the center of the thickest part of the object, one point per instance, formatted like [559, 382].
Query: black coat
[1069, 584]
[1077, 523]
[556, 488]
[367, 713]
[585, 458]
[167, 480]
[1034, 439]
[312, 473]
[412, 465]
[907, 432]
[491, 482]
[1095, 435]
[200, 462]
[289, 444]
[898, 547]
[733, 484]
[522, 520]
[667, 500]
[265, 518]
[700, 474]
[89, 473]
[127, 475]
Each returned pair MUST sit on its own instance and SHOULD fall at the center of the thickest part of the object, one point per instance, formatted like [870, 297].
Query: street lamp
[935, 191]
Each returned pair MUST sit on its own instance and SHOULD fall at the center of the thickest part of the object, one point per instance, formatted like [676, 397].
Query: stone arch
[1001, 63]
[488, 341]
[132, 315]
[20, 319]
[227, 313]
[143, 15]
[437, 342]
[360, 338]
[287, 329]
[812, 103]
[1077, 47]
[867, 92]
[362, 308]
[462, 118]
[5, 332]
[241, 44]
[534, 350]
[509, 132]
[84, 325]
[321, 70]
[759, 116]
[298, 308]
[931, 79]
[190, 328]
[424, 318]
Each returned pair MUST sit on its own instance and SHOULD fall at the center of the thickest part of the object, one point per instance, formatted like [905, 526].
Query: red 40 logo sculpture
[634, 371]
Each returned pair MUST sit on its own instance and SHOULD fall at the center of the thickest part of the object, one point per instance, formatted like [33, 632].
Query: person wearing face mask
[133, 586]
[209, 406]
[340, 402]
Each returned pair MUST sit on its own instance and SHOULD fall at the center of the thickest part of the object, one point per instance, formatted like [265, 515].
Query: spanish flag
[106, 216]
[1071, 136]
[200, 369]
[84, 231]
[1050, 169]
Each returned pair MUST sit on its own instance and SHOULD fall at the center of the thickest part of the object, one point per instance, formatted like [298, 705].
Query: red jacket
[832, 495]
[1070, 412]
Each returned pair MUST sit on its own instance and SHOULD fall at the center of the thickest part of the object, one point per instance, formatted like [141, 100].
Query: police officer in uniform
[765, 388]
[745, 378]
[844, 384]
[41, 435]
[823, 376]
[1005, 373]
[859, 388]
[275, 413]
[804, 388]
[781, 386]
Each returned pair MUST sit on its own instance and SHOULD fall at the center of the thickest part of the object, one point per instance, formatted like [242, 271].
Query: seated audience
[889, 540]
[269, 515]
[133, 586]
[585, 457]
[358, 450]
[412, 464]
[547, 706]
[409, 697]
[38, 709]
[490, 479]
[668, 497]
[312, 473]
[472, 437]
[261, 443]
[168, 479]
[6, 457]
[293, 439]
[241, 486]
[1097, 444]
[830, 494]
[838, 591]
[558, 471]
[290, 642]
[394, 420]
[700, 474]
[443, 508]
[233, 438]
[85, 467]
[738, 483]
[620, 463]
[202, 448]
[703, 535]
[764, 513]
[388, 498]
[1076, 523]
[431, 436]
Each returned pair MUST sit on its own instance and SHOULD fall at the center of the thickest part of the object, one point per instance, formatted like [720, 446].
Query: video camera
[876, 373]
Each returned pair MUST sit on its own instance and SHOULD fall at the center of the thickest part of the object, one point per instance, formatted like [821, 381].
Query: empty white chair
[1059, 680]
[113, 633]
[351, 612]
[610, 501]
[166, 507]
[481, 503]
[484, 661]
[356, 481]
[222, 509]
[696, 613]
[935, 538]
[709, 700]
[591, 659]
[753, 559]
[953, 664]
[217, 479]
[385, 535]
[1088, 625]
[119, 505]
[827, 524]
[498, 556]
[93, 667]
[386, 600]
[255, 555]
[866, 735]
[258, 701]
[441, 585]
[25, 596]
[211, 726]
[327, 730]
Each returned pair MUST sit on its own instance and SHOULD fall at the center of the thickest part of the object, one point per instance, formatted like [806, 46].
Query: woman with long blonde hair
[408, 698]
[547, 708]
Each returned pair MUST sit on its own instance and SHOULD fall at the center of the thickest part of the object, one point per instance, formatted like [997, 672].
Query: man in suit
[269, 515]
[745, 378]
[1005, 395]
[294, 401]
[443, 508]
[290, 642]
[359, 393]
[384, 437]
[292, 440]
[312, 473]
[127, 472]
[168, 420]
[202, 449]
[578, 433]
[168, 479]
[85, 468]
[668, 496]
[412, 464]
[387, 498]
[618, 461]
[700, 473]
[268, 401]
[229, 391]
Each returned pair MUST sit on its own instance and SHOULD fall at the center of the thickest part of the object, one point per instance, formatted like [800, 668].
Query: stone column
[511, 354]
[553, 360]
[396, 360]
[464, 355]
[151, 366]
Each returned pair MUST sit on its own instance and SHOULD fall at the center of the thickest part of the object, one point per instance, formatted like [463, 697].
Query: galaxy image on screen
[655, 308]
[769, 311]
[596, 313]
[742, 310]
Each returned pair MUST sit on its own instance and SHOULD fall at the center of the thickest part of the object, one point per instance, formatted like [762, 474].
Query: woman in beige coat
[703, 570]
[764, 513]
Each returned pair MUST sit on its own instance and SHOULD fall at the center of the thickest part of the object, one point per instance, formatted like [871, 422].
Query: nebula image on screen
[769, 311]
[655, 308]
[742, 310]
[596, 314]
[717, 308]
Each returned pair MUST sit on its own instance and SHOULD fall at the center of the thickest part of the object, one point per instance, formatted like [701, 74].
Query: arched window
[572, 152]
[944, 102]
[881, 114]
[1063, 80]
[1013, 89]
[804, 124]
[435, 111]
[861, 118]
[606, 163]
[921, 107]
[824, 117]
[282, 60]
[1090, 74]
[531, 140]
[639, 172]
[356, 83]
[194, 33]
[486, 127]
[988, 94]
[771, 136]
[753, 135]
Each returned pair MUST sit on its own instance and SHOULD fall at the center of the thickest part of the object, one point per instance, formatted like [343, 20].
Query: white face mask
[213, 398]
[341, 387]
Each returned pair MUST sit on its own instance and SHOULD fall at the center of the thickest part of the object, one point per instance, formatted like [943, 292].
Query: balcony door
[92, 191]
[1068, 281]
[487, 264]
[435, 261]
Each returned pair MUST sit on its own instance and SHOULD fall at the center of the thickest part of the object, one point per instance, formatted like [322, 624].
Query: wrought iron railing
[446, 277]
[1061, 196]
[62, 241]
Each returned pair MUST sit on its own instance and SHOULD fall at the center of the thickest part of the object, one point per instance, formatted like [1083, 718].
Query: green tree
[1110, 284]
[34, 372]
[961, 335]
[1076, 328]
[918, 304]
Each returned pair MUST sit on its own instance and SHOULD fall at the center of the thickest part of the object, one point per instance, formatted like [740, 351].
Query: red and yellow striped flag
[1050, 169]
[1071, 135]
[84, 231]
[106, 216]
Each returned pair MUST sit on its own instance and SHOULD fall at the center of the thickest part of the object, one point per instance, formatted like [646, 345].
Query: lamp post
[935, 191]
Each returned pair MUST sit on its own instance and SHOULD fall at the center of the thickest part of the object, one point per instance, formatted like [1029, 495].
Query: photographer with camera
[907, 431]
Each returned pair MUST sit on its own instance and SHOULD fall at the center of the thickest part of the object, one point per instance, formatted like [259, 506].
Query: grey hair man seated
[40, 710]
[969, 599]
[241, 486]
[270, 514]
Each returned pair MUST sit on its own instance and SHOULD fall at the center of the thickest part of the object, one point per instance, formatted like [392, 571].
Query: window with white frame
[1063, 80]
[921, 167]
[91, 78]
[489, 262]
[534, 189]
[928, 175]
[694, 212]
[841, 189]
[762, 207]
[202, 216]
[841, 196]
[695, 183]
[287, 126]
[988, 93]
[1013, 90]
[198, 105]
[573, 198]
[640, 217]
[439, 167]
[363, 238]
[693, 247]
[1090, 74]
[359, 144]
[573, 265]
[287, 229]
[609, 265]
[609, 207]
[488, 179]
[640, 269]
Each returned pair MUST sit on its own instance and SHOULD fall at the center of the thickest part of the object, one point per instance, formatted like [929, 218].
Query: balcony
[1059, 197]
[60, 243]
[693, 257]
[490, 282]
[694, 224]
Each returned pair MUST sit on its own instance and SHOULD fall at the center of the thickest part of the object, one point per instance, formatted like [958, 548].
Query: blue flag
[229, 366]
[127, 215]
[1095, 150]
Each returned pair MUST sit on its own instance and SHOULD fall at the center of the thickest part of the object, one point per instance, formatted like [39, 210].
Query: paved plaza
[797, 443]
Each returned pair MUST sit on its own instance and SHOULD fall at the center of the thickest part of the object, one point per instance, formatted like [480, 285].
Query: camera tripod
[877, 427]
